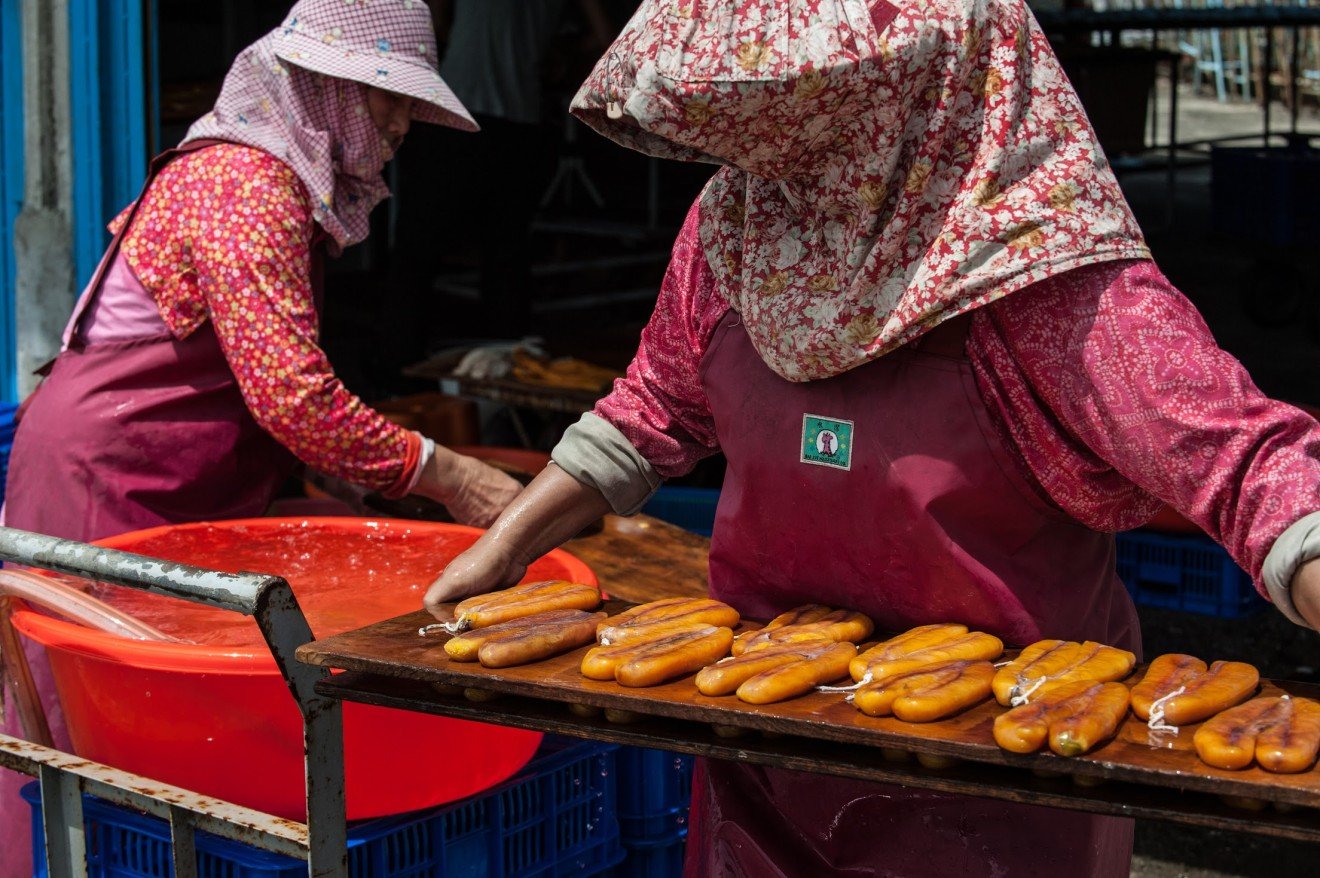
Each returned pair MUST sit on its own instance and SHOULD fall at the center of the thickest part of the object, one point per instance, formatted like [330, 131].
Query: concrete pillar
[43, 232]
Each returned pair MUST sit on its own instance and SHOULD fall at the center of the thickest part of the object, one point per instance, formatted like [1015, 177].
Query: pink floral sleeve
[1112, 389]
[659, 405]
[236, 225]
[1104, 381]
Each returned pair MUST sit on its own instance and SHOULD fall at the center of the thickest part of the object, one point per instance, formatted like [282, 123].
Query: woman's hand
[1306, 592]
[553, 508]
[473, 492]
[488, 565]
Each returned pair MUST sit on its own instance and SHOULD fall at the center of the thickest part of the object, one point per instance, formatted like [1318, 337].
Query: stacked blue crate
[689, 508]
[654, 790]
[554, 819]
[1185, 572]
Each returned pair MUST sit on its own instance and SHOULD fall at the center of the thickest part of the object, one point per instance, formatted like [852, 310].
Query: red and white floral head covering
[888, 165]
[299, 93]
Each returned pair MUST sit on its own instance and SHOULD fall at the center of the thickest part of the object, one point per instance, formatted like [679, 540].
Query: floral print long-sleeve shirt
[1104, 381]
[225, 234]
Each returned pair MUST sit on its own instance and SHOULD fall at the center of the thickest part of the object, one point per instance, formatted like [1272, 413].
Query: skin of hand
[551, 510]
[1306, 592]
[473, 492]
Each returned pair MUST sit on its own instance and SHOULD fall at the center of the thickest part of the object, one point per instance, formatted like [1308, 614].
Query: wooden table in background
[642, 559]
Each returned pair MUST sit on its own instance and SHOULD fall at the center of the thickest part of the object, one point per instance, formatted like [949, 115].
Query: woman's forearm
[553, 509]
[550, 511]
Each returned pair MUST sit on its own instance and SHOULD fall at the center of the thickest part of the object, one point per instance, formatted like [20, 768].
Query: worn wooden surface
[1003, 782]
[642, 558]
[394, 649]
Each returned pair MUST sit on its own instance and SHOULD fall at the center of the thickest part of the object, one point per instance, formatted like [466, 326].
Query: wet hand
[483, 568]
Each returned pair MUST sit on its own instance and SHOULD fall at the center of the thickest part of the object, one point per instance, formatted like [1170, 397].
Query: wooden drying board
[392, 666]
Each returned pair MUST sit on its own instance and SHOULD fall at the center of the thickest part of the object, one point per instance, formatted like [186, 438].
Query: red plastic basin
[217, 719]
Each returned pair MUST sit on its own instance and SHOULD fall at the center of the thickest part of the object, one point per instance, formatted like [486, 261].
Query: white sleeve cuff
[423, 458]
[594, 452]
[1294, 547]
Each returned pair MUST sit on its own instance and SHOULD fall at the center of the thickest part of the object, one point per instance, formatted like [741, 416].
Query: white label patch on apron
[827, 442]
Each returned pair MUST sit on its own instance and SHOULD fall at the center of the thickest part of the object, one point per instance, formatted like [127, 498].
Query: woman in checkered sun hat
[191, 382]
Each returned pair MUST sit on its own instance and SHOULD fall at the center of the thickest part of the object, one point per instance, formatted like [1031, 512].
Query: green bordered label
[827, 441]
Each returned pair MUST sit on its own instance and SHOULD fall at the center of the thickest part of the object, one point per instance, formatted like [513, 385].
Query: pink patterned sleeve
[660, 405]
[1116, 396]
[252, 253]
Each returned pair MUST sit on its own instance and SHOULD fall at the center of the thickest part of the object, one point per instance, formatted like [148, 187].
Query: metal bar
[1084, 20]
[1212, 141]
[234, 822]
[1294, 77]
[62, 822]
[183, 843]
[323, 737]
[1170, 209]
[285, 628]
[231, 591]
[1266, 70]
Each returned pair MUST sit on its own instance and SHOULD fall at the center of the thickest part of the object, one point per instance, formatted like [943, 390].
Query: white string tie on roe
[1019, 696]
[1156, 722]
[866, 678]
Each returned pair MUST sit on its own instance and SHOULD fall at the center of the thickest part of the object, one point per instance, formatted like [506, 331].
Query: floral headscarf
[299, 93]
[887, 167]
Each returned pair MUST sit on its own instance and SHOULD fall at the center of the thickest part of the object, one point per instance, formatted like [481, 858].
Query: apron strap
[89, 292]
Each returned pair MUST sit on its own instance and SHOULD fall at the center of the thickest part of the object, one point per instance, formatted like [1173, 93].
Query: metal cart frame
[64, 778]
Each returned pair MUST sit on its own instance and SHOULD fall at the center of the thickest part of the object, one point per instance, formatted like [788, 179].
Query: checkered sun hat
[389, 44]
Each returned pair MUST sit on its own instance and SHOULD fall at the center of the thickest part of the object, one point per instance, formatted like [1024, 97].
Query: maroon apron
[887, 490]
[133, 434]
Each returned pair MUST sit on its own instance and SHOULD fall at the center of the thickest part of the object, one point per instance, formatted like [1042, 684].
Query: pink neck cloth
[316, 124]
[300, 93]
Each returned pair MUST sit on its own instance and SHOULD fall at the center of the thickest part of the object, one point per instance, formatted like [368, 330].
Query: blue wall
[110, 132]
[11, 184]
[107, 77]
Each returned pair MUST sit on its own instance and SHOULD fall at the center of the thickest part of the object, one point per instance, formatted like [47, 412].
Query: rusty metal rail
[322, 841]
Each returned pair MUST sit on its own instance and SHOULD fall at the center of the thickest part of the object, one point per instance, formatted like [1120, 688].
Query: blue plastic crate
[689, 508]
[659, 858]
[1190, 573]
[554, 819]
[655, 788]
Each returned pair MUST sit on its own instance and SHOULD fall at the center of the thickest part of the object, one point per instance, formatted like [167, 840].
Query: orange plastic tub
[216, 717]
